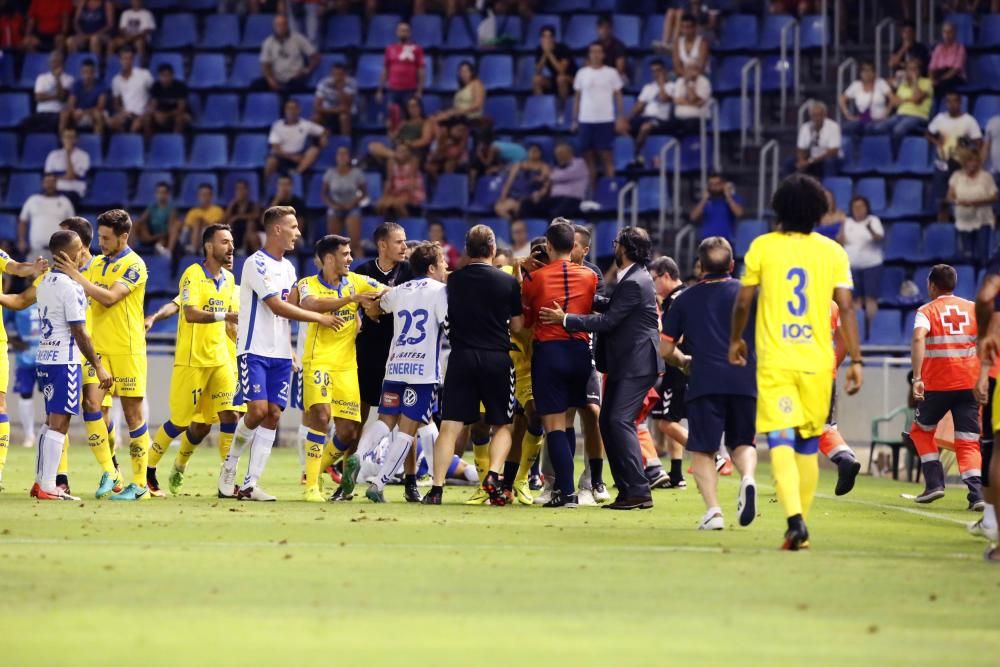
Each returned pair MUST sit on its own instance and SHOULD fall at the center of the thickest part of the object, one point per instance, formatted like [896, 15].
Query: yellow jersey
[230, 329]
[204, 345]
[119, 330]
[334, 350]
[4, 261]
[796, 274]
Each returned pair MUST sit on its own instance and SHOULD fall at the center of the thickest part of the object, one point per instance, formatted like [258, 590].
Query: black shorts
[962, 405]
[831, 419]
[671, 407]
[594, 388]
[474, 377]
[560, 371]
[371, 372]
[711, 416]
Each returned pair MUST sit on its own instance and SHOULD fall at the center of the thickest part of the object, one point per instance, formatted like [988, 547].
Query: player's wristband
[219, 316]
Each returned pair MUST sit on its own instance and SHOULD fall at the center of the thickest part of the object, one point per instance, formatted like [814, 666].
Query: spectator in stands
[417, 132]
[70, 164]
[947, 66]
[130, 90]
[289, 140]
[52, 90]
[206, 213]
[435, 234]
[912, 101]
[88, 100]
[818, 144]
[568, 182]
[485, 160]
[310, 12]
[241, 216]
[991, 147]
[450, 151]
[287, 59]
[909, 49]
[525, 186]
[614, 48]
[973, 192]
[344, 188]
[92, 25]
[651, 113]
[598, 102]
[135, 28]
[865, 103]
[334, 106]
[402, 72]
[40, 217]
[520, 244]
[950, 131]
[718, 210]
[861, 234]
[467, 104]
[156, 229]
[699, 10]
[554, 66]
[831, 222]
[11, 25]
[690, 48]
[691, 95]
[48, 25]
[167, 110]
[284, 195]
[404, 184]
[504, 257]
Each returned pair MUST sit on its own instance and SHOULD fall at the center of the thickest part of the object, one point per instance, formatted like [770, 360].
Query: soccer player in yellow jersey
[116, 286]
[795, 271]
[329, 363]
[204, 377]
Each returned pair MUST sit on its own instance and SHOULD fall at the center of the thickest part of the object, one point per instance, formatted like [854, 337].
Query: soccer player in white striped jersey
[264, 350]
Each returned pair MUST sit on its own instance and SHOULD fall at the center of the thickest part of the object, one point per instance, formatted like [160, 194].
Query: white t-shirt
[260, 331]
[993, 134]
[818, 143]
[953, 128]
[133, 90]
[876, 101]
[978, 188]
[61, 302]
[597, 88]
[44, 215]
[136, 21]
[46, 84]
[55, 163]
[420, 310]
[679, 90]
[654, 107]
[292, 138]
[862, 249]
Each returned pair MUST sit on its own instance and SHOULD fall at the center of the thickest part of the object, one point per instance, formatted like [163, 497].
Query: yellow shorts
[90, 377]
[338, 389]
[200, 394]
[4, 368]
[129, 373]
[792, 399]
[995, 411]
[522, 385]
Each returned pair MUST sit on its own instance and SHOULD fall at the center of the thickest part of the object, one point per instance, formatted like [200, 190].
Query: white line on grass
[898, 508]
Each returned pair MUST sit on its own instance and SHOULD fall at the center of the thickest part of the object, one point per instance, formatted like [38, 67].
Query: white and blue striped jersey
[420, 316]
[260, 331]
[61, 302]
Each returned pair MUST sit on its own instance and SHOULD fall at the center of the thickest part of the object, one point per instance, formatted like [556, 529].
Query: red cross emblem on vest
[954, 320]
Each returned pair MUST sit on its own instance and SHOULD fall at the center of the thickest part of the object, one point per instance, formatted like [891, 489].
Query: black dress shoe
[631, 503]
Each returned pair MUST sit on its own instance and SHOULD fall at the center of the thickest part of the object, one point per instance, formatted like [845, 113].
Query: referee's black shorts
[672, 390]
[474, 377]
[560, 371]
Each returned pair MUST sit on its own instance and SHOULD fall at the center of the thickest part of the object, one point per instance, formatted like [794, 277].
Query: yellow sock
[97, 438]
[481, 455]
[161, 442]
[316, 455]
[329, 456]
[786, 479]
[4, 440]
[183, 453]
[138, 450]
[808, 466]
[531, 445]
[64, 459]
[226, 432]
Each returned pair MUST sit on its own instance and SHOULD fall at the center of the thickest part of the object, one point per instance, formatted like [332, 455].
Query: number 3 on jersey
[798, 306]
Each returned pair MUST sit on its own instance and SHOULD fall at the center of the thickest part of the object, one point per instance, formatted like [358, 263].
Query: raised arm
[628, 297]
[107, 297]
[165, 312]
[19, 301]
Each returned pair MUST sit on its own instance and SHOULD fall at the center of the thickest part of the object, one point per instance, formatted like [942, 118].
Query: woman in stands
[865, 103]
[861, 234]
[416, 133]
[973, 192]
[525, 187]
[92, 25]
[468, 102]
[404, 185]
[344, 188]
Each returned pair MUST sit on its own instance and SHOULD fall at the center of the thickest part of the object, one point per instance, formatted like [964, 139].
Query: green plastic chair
[897, 441]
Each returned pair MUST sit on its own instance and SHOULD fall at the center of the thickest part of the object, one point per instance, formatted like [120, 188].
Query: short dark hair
[82, 228]
[163, 184]
[688, 17]
[382, 231]
[953, 93]
[165, 67]
[209, 233]
[561, 235]
[944, 277]
[480, 242]
[202, 186]
[635, 241]
[548, 27]
[604, 19]
[424, 256]
[117, 219]
[88, 62]
[799, 203]
[128, 48]
[329, 245]
[658, 61]
[716, 255]
[584, 231]
[862, 199]
[61, 240]
[665, 266]
[276, 213]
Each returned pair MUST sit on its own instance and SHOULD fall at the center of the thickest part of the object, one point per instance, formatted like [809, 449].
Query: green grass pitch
[194, 580]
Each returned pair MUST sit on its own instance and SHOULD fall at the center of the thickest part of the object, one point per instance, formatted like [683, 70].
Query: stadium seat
[739, 33]
[486, 193]
[189, 187]
[7, 74]
[628, 29]
[539, 113]
[208, 70]
[428, 30]
[651, 151]
[161, 279]
[914, 158]
[221, 31]
[343, 32]
[939, 243]
[109, 190]
[20, 186]
[500, 227]
[36, 148]
[771, 68]
[840, 186]
[726, 76]
[989, 31]
[509, 30]
[369, 70]
[462, 33]
[125, 152]
[166, 151]
[890, 282]
[966, 286]
[450, 194]
[524, 73]
[455, 230]
[535, 25]
[886, 328]
[220, 111]
[746, 232]
[581, 30]
[907, 200]
[373, 181]
[652, 30]
[691, 152]
[902, 242]
[14, 108]
[496, 72]
[873, 189]
[874, 152]
[33, 65]
[986, 107]
[176, 31]
[328, 156]
[381, 31]
[185, 262]
[260, 110]
[145, 190]
[730, 118]
[8, 227]
[246, 69]
[983, 72]
[536, 227]
[8, 150]
[606, 193]
[91, 145]
[604, 237]
[209, 151]
[623, 152]
[770, 32]
[503, 110]
[368, 225]
[963, 27]
[415, 228]
[813, 32]
[249, 151]
[361, 152]
[568, 6]
[258, 27]
[229, 184]
[447, 72]
[175, 60]
[314, 191]
[649, 195]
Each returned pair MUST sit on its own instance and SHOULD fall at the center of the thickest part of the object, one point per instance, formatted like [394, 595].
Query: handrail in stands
[675, 146]
[849, 64]
[629, 187]
[889, 23]
[783, 63]
[771, 149]
[686, 234]
[713, 113]
[751, 65]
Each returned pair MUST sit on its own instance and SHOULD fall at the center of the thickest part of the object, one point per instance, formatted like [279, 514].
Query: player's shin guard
[97, 438]
[165, 435]
[531, 445]
[260, 452]
[785, 470]
[226, 432]
[138, 451]
[313, 444]
[481, 455]
[399, 445]
[301, 446]
[184, 452]
[4, 440]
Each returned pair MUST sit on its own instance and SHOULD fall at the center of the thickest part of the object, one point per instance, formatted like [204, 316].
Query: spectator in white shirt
[865, 103]
[991, 147]
[818, 145]
[950, 131]
[289, 140]
[286, 59]
[130, 90]
[70, 164]
[691, 95]
[596, 105]
[861, 234]
[52, 90]
[651, 113]
[135, 29]
[40, 217]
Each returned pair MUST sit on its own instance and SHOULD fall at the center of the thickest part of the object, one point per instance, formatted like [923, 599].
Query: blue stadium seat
[986, 107]
[840, 186]
[539, 113]
[249, 151]
[770, 32]
[221, 31]
[813, 32]
[109, 190]
[649, 195]
[535, 25]
[450, 194]
[381, 31]
[746, 232]
[189, 187]
[920, 278]
[874, 153]
[983, 72]
[509, 29]
[651, 152]
[209, 151]
[907, 200]
[369, 70]
[496, 72]
[874, 189]
[145, 190]
[581, 30]
[989, 31]
[208, 70]
[161, 279]
[771, 68]
[455, 230]
[914, 157]
[21, 186]
[606, 192]
[368, 225]
[447, 72]
[628, 29]
[892, 278]
[220, 111]
[739, 33]
[568, 6]
[939, 243]
[175, 60]
[536, 227]
[14, 108]
[125, 152]
[966, 286]
[691, 151]
[8, 227]
[314, 191]
[7, 74]
[229, 184]
[306, 101]
[623, 152]
[886, 328]
[730, 119]
[503, 110]
[33, 65]
[902, 242]
[8, 150]
[176, 31]
[462, 33]
[246, 69]
[260, 110]
[91, 145]
[428, 30]
[500, 227]
[185, 262]
[328, 156]
[963, 28]
[166, 151]
[362, 149]
[486, 193]
[258, 27]
[726, 76]
[373, 181]
[343, 32]
[36, 148]
[652, 31]
[415, 228]
[604, 237]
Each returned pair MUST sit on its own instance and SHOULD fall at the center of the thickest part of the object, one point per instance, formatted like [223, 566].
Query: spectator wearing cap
[403, 70]
[130, 89]
[88, 99]
[335, 106]
[167, 110]
[52, 90]
[70, 164]
[290, 139]
[718, 210]
[287, 59]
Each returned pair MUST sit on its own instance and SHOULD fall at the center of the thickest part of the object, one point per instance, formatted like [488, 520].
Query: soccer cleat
[175, 481]
[255, 493]
[746, 504]
[227, 482]
[108, 485]
[929, 495]
[132, 492]
[410, 492]
[847, 474]
[153, 484]
[339, 496]
[334, 474]
[491, 485]
[796, 537]
[585, 497]
[374, 495]
[312, 495]
[545, 496]
[601, 493]
[432, 498]
[478, 497]
[712, 521]
[350, 477]
[535, 482]
[559, 500]
[522, 492]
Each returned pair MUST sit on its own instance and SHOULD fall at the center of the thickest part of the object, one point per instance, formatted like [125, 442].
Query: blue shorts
[60, 385]
[595, 136]
[711, 416]
[413, 401]
[560, 372]
[263, 379]
[867, 282]
[297, 401]
[24, 380]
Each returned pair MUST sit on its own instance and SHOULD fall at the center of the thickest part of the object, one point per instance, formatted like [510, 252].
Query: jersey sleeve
[188, 291]
[364, 284]
[75, 305]
[842, 277]
[441, 308]
[305, 290]
[920, 321]
[673, 324]
[751, 263]
[4, 261]
[388, 301]
[134, 276]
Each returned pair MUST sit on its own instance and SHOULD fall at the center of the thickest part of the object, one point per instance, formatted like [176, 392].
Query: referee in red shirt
[560, 361]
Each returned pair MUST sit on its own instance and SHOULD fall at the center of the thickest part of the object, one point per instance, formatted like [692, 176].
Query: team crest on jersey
[785, 404]
[131, 274]
[409, 397]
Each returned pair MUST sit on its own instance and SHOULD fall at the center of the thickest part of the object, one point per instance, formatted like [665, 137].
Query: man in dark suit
[628, 351]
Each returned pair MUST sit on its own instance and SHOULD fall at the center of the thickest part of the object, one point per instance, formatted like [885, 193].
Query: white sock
[26, 413]
[241, 438]
[470, 474]
[428, 434]
[260, 452]
[398, 446]
[989, 517]
[303, 432]
[50, 451]
[371, 436]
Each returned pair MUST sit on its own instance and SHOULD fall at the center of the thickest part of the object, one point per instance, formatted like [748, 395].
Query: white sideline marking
[898, 508]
